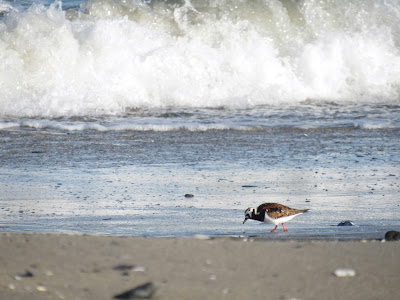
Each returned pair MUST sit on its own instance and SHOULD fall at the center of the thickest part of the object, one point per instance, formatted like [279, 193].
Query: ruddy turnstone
[272, 213]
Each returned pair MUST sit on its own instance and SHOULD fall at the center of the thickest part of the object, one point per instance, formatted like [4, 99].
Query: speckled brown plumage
[276, 210]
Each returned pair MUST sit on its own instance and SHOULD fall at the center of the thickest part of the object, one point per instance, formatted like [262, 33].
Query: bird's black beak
[245, 219]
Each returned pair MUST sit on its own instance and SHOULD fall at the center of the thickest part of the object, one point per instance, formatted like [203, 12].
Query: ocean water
[112, 110]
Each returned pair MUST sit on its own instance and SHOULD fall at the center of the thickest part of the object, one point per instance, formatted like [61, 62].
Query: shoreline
[65, 266]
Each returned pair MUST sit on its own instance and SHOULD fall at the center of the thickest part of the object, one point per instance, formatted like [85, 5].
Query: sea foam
[110, 56]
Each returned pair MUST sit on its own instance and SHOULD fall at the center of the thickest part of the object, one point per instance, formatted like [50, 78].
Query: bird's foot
[273, 230]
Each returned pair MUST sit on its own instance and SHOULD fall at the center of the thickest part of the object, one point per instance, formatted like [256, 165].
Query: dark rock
[189, 195]
[392, 235]
[144, 291]
[249, 186]
[346, 223]
[24, 275]
[27, 274]
[123, 267]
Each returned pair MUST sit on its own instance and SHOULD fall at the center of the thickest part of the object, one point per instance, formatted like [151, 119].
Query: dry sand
[83, 267]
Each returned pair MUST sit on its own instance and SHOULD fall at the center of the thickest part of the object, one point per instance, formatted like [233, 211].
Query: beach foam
[111, 56]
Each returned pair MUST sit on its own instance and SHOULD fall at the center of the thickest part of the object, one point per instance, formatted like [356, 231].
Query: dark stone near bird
[123, 267]
[24, 275]
[346, 223]
[392, 235]
[27, 274]
[189, 195]
[144, 291]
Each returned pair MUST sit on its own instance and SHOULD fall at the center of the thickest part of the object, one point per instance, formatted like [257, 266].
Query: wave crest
[110, 56]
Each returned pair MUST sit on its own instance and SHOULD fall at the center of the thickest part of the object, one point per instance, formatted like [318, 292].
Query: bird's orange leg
[284, 229]
[274, 228]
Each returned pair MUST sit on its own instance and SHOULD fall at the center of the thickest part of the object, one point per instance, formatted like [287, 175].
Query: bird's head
[249, 213]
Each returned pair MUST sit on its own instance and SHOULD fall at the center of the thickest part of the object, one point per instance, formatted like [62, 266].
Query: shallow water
[133, 183]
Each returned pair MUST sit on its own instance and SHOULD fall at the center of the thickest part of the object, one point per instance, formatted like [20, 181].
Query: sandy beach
[50, 266]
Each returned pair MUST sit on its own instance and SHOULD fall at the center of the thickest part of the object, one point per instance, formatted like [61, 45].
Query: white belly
[268, 219]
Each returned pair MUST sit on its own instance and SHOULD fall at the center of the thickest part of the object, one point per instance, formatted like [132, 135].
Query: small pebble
[344, 272]
[41, 288]
[189, 195]
[201, 237]
[139, 269]
[11, 286]
[123, 267]
[346, 223]
[24, 275]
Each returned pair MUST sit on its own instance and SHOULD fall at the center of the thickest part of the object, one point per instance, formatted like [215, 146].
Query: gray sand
[83, 267]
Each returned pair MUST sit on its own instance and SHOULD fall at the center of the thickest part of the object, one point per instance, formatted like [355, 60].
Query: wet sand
[52, 266]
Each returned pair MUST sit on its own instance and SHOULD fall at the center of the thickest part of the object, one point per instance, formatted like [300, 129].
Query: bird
[272, 213]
